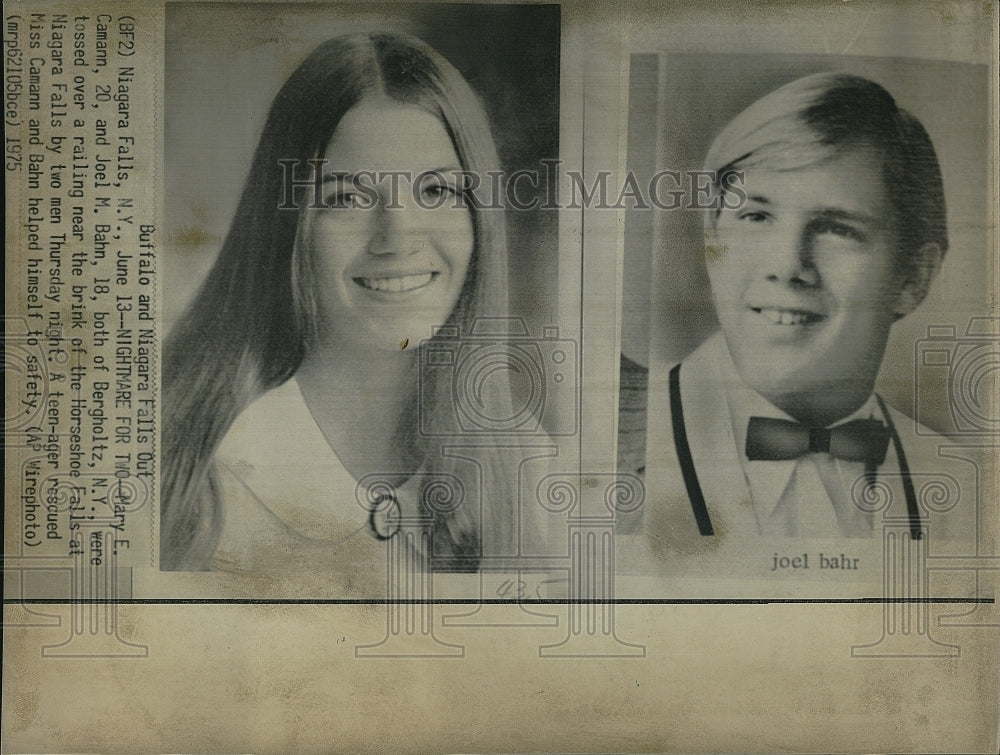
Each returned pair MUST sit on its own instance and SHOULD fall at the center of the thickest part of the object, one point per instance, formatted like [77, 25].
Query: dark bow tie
[864, 440]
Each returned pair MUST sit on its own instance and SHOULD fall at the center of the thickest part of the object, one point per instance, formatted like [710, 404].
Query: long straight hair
[252, 321]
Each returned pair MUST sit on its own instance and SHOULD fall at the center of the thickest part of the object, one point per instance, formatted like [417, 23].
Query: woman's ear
[917, 276]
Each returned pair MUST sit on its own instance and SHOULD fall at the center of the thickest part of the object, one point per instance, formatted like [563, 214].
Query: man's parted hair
[817, 117]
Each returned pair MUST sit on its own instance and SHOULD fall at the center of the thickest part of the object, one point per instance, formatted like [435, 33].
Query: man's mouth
[397, 284]
[787, 316]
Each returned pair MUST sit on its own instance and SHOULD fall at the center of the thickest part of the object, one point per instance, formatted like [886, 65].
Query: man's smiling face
[805, 278]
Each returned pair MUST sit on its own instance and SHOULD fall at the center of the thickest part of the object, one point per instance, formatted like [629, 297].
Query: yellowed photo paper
[501, 377]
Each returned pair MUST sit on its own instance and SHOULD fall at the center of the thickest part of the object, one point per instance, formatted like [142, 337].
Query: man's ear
[919, 271]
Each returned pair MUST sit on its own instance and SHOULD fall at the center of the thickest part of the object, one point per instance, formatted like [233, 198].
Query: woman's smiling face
[391, 247]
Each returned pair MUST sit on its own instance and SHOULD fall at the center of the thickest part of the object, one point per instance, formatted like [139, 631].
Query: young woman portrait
[298, 428]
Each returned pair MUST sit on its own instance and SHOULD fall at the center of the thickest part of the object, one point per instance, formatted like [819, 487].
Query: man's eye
[754, 216]
[344, 200]
[843, 230]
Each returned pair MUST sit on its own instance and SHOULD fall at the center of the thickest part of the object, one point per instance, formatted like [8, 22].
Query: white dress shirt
[806, 497]
[810, 496]
[799, 524]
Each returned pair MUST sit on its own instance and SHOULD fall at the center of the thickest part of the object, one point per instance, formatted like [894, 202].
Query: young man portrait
[828, 226]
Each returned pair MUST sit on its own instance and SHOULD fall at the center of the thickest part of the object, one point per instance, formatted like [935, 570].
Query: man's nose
[789, 257]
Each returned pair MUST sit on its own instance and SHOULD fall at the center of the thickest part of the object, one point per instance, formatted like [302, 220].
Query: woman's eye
[435, 191]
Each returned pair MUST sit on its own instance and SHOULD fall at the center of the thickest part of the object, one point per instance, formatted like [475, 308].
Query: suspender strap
[904, 470]
[684, 456]
[694, 487]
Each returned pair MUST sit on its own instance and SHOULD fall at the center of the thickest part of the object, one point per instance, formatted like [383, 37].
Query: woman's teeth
[788, 316]
[398, 284]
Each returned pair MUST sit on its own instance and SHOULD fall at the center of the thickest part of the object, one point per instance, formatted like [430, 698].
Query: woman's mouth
[787, 316]
[397, 284]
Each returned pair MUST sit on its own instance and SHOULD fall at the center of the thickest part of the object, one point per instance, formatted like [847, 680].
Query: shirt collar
[766, 480]
[279, 452]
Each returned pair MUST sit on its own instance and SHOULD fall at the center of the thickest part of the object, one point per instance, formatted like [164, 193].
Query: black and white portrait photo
[768, 394]
[489, 376]
[339, 237]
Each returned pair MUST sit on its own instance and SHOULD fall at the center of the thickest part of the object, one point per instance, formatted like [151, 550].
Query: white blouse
[295, 522]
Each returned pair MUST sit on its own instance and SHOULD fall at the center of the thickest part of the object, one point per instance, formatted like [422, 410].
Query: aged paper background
[174, 675]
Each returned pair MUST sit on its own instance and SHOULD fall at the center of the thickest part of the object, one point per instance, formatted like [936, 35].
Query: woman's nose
[400, 227]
